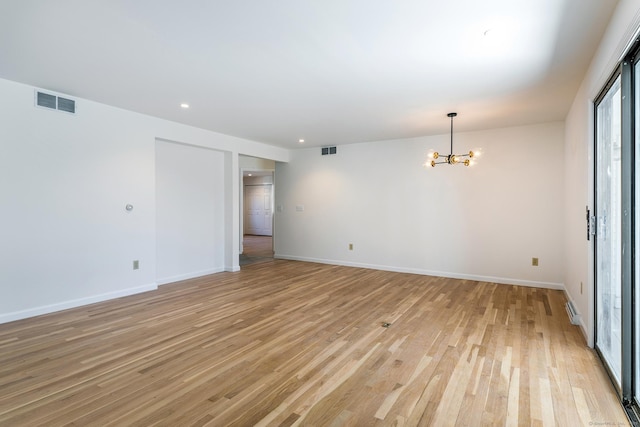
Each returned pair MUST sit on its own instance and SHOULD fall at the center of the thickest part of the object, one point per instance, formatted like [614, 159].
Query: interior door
[258, 214]
[608, 254]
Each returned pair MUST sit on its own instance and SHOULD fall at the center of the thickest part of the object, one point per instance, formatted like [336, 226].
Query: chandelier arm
[451, 158]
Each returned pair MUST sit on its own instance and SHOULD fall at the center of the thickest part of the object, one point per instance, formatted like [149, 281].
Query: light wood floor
[256, 249]
[258, 246]
[290, 343]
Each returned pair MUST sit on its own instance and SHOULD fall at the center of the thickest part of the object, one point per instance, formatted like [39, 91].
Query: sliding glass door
[617, 230]
[608, 175]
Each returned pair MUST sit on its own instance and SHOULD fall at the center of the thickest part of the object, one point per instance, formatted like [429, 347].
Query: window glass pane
[608, 231]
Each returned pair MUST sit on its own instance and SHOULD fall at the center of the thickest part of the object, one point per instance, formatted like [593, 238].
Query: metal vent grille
[68, 105]
[46, 100]
[328, 150]
[574, 317]
[54, 102]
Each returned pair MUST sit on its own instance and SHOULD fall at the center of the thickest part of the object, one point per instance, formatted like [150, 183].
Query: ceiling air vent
[54, 102]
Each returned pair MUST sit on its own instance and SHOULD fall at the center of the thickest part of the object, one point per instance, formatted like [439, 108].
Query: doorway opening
[257, 235]
[256, 213]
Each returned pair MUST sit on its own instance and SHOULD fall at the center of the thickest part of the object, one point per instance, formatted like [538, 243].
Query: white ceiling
[328, 71]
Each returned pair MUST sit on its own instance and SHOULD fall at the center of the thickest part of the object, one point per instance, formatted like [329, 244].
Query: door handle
[591, 224]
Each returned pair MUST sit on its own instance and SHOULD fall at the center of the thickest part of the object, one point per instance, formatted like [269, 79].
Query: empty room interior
[321, 213]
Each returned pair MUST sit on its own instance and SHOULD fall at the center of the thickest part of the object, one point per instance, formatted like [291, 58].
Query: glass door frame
[597, 224]
[627, 158]
[630, 266]
[629, 389]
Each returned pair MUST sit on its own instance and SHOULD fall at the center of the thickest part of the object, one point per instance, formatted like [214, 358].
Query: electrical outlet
[136, 264]
[534, 262]
[350, 246]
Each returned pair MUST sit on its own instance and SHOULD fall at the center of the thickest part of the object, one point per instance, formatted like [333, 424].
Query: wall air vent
[574, 317]
[46, 100]
[68, 105]
[328, 150]
[53, 102]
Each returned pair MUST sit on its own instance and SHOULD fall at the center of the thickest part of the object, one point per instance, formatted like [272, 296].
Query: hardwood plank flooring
[258, 246]
[256, 249]
[286, 343]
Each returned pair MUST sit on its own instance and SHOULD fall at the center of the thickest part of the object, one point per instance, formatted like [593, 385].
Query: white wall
[189, 211]
[485, 222]
[579, 161]
[258, 180]
[255, 164]
[65, 236]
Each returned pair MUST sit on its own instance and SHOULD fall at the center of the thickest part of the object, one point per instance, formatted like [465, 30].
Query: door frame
[617, 74]
[624, 70]
[243, 172]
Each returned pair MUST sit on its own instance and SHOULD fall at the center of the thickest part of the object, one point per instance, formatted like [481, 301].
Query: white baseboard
[187, 276]
[490, 279]
[46, 309]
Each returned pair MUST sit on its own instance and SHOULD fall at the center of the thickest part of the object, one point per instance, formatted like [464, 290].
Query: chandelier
[452, 159]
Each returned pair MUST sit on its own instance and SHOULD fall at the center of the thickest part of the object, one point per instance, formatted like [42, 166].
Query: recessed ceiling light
[184, 105]
[301, 141]
[250, 175]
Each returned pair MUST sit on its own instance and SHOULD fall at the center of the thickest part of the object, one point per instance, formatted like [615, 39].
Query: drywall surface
[484, 222]
[189, 211]
[254, 163]
[66, 238]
